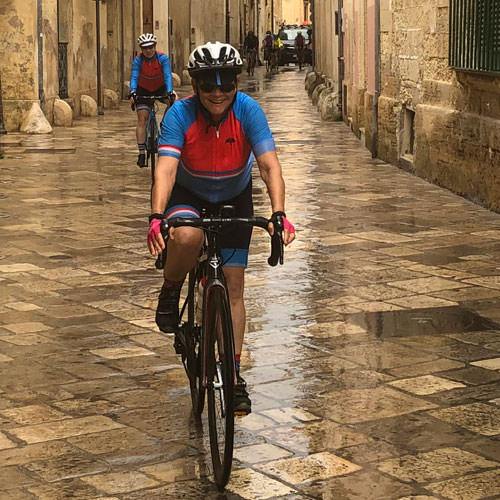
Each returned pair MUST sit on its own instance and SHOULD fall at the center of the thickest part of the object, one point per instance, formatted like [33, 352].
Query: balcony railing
[475, 35]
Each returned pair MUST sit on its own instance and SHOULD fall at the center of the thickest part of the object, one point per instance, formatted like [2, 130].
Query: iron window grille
[475, 35]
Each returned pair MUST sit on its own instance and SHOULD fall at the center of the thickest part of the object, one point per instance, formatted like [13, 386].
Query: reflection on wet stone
[372, 356]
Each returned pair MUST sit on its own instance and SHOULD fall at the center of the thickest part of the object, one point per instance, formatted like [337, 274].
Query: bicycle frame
[214, 279]
[210, 360]
[152, 129]
[152, 121]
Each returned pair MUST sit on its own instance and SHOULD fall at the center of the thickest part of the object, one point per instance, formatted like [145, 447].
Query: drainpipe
[133, 28]
[228, 27]
[2, 126]
[313, 19]
[257, 19]
[340, 56]
[41, 95]
[272, 16]
[377, 80]
[169, 31]
[122, 50]
[98, 44]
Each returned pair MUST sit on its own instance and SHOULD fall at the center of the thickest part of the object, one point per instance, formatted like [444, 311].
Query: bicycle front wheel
[194, 345]
[220, 370]
[152, 146]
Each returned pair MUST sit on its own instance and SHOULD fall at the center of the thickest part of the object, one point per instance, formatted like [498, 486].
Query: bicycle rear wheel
[220, 370]
[152, 148]
[194, 353]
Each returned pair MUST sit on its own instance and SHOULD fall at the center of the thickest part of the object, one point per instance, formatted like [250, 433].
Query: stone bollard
[310, 79]
[88, 106]
[317, 81]
[176, 80]
[186, 78]
[34, 121]
[327, 105]
[313, 80]
[63, 114]
[330, 110]
[316, 92]
[111, 99]
[322, 96]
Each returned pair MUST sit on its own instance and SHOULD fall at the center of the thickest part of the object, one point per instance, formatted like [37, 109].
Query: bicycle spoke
[220, 371]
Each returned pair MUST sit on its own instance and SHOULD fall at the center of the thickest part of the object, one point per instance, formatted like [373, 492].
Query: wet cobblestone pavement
[373, 355]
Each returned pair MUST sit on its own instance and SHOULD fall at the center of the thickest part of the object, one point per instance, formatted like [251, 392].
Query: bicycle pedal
[239, 413]
[178, 346]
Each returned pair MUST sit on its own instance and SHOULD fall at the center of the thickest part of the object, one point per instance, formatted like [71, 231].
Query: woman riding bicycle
[151, 76]
[206, 151]
[267, 47]
[250, 47]
[277, 46]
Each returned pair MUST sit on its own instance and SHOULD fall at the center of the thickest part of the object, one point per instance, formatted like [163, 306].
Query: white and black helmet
[146, 40]
[214, 56]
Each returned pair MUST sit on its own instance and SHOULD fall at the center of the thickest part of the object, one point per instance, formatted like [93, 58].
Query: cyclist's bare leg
[182, 252]
[140, 130]
[235, 280]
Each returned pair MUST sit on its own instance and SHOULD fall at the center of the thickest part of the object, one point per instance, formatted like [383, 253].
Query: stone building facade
[48, 49]
[324, 82]
[295, 11]
[409, 104]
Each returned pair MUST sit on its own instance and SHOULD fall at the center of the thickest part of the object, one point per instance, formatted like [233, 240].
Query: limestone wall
[160, 10]
[180, 43]
[50, 48]
[326, 42]
[292, 11]
[355, 79]
[208, 21]
[74, 24]
[442, 124]
[82, 55]
[19, 58]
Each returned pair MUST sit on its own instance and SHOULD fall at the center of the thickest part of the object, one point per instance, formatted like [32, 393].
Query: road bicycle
[267, 58]
[274, 60]
[300, 57]
[252, 61]
[204, 338]
[152, 129]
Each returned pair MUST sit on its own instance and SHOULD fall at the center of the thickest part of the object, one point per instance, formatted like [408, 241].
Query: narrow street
[372, 356]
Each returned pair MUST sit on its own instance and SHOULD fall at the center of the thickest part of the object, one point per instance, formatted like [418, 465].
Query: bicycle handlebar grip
[160, 262]
[162, 257]
[276, 249]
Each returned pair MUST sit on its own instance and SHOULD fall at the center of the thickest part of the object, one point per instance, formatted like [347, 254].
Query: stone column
[2, 126]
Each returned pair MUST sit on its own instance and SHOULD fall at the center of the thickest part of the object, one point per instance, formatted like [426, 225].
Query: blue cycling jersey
[215, 162]
[151, 74]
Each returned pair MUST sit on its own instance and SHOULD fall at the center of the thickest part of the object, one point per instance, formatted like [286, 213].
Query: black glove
[277, 220]
[171, 97]
[133, 95]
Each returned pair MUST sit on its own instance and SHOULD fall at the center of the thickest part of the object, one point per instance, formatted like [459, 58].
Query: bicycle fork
[219, 386]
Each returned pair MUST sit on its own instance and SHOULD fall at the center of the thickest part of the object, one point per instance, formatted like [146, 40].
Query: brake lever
[162, 256]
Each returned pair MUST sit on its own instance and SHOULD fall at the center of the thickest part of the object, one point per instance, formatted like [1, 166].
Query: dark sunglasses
[210, 87]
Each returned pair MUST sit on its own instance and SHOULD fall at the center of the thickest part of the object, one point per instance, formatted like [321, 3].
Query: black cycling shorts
[235, 240]
[147, 103]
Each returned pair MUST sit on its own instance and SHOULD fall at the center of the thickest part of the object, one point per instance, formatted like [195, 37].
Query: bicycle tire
[220, 381]
[152, 146]
[194, 353]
